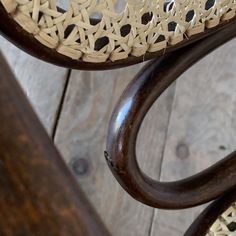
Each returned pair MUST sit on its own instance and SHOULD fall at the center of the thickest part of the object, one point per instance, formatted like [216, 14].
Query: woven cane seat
[225, 225]
[102, 30]
[218, 219]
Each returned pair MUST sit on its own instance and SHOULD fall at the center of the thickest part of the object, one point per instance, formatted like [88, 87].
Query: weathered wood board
[43, 83]
[81, 137]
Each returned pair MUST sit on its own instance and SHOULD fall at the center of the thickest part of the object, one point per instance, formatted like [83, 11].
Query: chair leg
[38, 195]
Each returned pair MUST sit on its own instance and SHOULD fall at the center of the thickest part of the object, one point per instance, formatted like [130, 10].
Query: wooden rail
[38, 194]
[26, 41]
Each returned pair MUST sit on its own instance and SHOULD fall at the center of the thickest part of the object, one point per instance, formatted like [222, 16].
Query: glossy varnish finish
[38, 195]
[42, 196]
[128, 116]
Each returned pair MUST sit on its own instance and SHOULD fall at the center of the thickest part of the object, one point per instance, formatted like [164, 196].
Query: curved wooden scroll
[126, 121]
[38, 195]
[15, 33]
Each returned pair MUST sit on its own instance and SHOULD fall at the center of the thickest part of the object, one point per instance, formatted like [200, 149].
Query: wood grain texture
[201, 130]
[82, 129]
[43, 83]
[209, 221]
[81, 135]
[38, 194]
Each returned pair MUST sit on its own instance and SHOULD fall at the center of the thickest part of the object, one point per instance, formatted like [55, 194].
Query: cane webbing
[225, 225]
[140, 26]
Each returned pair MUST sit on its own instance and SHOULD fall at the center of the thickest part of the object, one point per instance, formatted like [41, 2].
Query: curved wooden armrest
[38, 195]
[126, 121]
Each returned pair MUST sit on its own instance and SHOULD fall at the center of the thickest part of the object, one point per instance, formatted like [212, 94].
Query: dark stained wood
[14, 33]
[205, 220]
[128, 116]
[38, 195]
[201, 129]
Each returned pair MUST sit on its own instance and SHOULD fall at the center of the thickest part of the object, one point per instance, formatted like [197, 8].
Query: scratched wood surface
[189, 128]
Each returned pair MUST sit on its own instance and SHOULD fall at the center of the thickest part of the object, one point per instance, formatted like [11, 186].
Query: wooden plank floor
[189, 128]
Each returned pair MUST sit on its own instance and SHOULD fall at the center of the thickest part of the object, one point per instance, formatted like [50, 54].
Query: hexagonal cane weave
[101, 30]
[225, 225]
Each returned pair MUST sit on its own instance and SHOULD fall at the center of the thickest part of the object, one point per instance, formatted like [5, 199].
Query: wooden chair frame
[126, 120]
[39, 196]
[11, 30]
[26, 149]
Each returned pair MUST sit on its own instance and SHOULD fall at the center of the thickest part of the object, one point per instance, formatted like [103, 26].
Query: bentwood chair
[97, 35]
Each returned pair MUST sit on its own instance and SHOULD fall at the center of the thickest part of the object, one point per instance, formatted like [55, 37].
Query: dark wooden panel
[38, 195]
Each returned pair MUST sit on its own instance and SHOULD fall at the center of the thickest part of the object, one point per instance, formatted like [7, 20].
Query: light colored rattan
[225, 225]
[48, 25]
